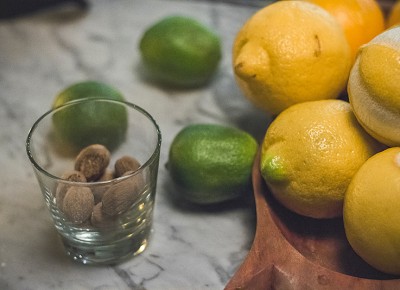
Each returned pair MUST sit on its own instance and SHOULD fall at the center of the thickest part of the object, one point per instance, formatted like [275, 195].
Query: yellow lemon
[290, 52]
[394, 15]
[309, 154]
[374, 87]
[371, 211]
[361, 20]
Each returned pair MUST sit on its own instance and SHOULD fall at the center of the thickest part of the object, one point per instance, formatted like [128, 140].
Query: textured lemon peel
[384, 121]
[246, 68]
[380, 71]
[379, 121]
[371, 212]
[284, 61]
[317, 166]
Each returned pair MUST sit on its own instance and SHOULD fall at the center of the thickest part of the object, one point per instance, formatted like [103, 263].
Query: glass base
[105, 254]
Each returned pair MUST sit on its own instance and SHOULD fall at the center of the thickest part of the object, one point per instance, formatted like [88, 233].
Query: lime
[211, 163]
[87, 89]
[180, 51]
[88, 123]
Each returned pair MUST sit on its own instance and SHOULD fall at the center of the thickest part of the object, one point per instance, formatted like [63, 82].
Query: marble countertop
[40, 54]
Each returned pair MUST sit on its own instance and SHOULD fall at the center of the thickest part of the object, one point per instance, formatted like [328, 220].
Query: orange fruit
[394, 15]
[361, 20]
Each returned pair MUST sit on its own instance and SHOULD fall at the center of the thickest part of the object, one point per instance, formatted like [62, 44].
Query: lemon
[290, 52]
[90, 123]
[371, 211]
[212, 163]
[374, 87]
[180, 51]
[309, 154]
[361, 20]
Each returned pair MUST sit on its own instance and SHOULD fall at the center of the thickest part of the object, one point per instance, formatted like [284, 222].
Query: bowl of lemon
[326, 178]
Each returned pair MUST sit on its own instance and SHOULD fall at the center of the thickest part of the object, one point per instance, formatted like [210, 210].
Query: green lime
[180, 51]
[212, 163]
[88, 123]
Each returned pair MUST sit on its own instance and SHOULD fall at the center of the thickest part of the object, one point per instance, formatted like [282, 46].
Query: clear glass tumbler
[90, 233]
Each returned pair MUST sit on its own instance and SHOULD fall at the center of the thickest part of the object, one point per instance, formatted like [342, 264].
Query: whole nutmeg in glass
[92, 161]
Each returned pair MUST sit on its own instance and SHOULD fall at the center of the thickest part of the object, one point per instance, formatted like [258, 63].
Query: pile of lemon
[329, 72]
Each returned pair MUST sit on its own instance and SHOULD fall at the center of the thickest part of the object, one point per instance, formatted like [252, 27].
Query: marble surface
[40, 54]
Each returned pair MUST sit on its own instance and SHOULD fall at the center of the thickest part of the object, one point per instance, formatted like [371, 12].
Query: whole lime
[180, 51]
[87, 123]
[211, 163]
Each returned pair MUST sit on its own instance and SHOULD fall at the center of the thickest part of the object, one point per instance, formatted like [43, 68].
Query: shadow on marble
[239, 110]
[177, 203]
[57, 9]
[225, 104]
[4, 284]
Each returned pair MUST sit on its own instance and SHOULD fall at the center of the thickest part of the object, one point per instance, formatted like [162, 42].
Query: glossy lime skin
[212, 163]
[90, 123]
[180, 51]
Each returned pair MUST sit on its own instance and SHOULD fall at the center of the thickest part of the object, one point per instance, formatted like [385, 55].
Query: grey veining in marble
[40, 54]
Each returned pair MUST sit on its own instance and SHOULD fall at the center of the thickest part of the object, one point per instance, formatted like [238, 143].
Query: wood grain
[292, 252]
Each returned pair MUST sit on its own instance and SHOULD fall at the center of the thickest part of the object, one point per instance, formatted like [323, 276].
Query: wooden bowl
[291, 252]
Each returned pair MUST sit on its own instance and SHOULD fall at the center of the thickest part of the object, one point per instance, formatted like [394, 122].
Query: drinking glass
[98, 237]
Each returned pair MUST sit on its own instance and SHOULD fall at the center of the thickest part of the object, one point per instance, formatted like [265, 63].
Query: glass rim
[150, 160]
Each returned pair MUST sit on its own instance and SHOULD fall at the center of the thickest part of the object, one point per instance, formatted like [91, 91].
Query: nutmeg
[107, 175]
[78, 204]
[99, 219]
[92, 161]
[120, 197]
[98, 190]
[71, 175]
[125, 164]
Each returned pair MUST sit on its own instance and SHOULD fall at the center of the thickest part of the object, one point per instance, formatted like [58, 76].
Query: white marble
[191, 248]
